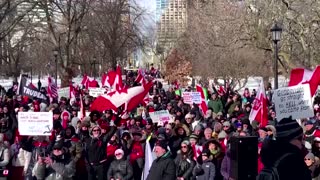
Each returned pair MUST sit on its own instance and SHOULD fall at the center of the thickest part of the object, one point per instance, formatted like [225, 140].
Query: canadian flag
[203, 104]
[113, 79]
[89, 82]
[128, 98]
[72, 94]
[140, 79]
[259, 110]
[304, 76]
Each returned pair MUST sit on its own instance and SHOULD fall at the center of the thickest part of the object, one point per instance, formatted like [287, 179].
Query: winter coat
[74, 146]
[216, 105]
[205, 171]
[163, 168]
[184, 165]
[226, 166]
[59, 170]
[4, 155]
[20, 157]
[120, 169]
[315, 171]
[289, 168]
[95, 148]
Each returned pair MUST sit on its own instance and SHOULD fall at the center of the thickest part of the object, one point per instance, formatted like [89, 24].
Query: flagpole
[18, 90]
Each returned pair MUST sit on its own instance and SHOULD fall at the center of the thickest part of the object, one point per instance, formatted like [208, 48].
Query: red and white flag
[203, 104]
[72, 94]
[82, 110]
[304, 76]
[127, 98]
[52, 89]
[259, 111]
[88, 82]
[140, 79]
[113, 79]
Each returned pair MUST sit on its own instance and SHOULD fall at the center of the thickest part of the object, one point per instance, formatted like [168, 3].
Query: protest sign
[160, 116]
[293, 101]
[95, 92]
[35, 123]
[64, 92]
[191, 97]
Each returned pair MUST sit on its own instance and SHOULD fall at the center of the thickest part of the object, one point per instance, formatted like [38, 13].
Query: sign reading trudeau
[35, 123]
[293, 101]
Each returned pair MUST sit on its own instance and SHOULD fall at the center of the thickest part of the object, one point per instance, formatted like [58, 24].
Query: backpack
[271, 173]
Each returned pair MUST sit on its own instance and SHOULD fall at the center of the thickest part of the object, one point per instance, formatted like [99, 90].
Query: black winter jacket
[163, 168]
[184, 165]
[120, 169]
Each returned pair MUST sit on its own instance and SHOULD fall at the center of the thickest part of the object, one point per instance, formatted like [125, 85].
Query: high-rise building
[172, 23]
[161, 6]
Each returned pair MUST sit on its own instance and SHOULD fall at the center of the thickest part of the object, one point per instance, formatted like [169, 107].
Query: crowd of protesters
[104, 145]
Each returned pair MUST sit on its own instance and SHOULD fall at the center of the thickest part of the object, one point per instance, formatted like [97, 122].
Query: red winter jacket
[111, 149]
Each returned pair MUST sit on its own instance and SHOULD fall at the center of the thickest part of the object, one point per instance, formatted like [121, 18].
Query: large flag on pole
[148, 161]
[304, 76]
[259, 110]
[203, 104]
[26, 88]
[52, 89]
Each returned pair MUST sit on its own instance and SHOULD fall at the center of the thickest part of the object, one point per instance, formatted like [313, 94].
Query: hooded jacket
[185, 164]
[95, 148]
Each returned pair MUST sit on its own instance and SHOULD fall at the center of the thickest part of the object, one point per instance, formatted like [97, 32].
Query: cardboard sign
[95, 92]
[191, 97]
[160, 116]
[35, 123]
[293, 101]
[64, 92]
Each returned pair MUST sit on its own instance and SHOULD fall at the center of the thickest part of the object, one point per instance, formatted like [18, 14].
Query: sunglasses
[184, 147]
[225, 126]
[119, 154]
[96, 130]
[57, 149]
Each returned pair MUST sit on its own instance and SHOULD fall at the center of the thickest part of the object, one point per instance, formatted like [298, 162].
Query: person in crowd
[206, 170]
[216, 156]
[184, 162]
[313, 166]
[59, 165]
[20, 158]
[163, 167]
[95, 148]
[4, 154]
[136, 156]
[285, 151]
[215, 103]
[120, 168]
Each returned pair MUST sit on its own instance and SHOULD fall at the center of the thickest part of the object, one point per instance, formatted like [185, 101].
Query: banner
[35, 123]
[26, 88]
[64, 92]
[293, 101]
[191, 97]
[160, 116]
[95, 92]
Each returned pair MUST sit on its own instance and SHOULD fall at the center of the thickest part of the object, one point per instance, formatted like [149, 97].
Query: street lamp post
[276, 31]
[55, 53]
[94, 67]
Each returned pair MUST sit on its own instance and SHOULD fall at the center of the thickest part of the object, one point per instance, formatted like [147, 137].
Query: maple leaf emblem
[256, 104]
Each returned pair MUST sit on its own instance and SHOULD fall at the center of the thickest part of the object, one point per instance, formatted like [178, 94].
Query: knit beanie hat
[310, 156]
[193, 136]
[186, 142]
[162, 143]
[288, 129]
